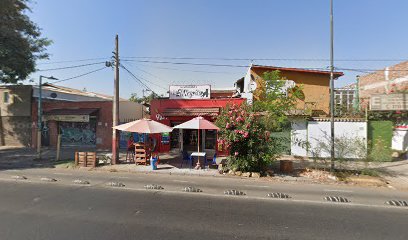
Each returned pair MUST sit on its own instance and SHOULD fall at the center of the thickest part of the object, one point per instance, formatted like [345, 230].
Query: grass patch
[343, 175]
[65, 164]
[370, 172]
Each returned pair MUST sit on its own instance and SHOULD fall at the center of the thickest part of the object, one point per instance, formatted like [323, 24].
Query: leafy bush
[244, 136]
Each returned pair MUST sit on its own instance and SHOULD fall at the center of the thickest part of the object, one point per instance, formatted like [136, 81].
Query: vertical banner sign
[190, 92]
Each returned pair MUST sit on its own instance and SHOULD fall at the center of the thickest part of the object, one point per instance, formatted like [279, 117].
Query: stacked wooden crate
[141, 154]
[85, 159]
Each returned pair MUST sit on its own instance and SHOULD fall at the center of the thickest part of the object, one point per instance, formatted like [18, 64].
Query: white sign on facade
[67, 118]
[190, 92]
[393, 102]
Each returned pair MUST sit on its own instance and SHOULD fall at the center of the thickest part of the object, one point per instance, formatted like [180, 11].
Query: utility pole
[39, 114]
[115, 106]
[332, 157]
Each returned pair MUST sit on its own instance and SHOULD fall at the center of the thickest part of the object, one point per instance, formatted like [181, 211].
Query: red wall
[104, 117]
[157, 106]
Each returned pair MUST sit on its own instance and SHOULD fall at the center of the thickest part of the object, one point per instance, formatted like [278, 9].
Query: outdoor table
[198, 155]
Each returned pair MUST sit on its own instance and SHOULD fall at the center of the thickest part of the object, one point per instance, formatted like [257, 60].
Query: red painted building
[80, 123]
[176, 111]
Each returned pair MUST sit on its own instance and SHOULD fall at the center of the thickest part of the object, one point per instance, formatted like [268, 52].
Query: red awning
[191, 112]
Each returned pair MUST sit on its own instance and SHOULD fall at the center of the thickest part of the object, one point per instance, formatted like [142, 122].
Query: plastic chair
[213, 160]
[188, 158]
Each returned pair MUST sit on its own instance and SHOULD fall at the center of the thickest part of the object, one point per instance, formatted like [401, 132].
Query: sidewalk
[395, 173]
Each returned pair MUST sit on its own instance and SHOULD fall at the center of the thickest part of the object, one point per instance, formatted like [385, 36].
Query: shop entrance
[175, 136]
[190, 137]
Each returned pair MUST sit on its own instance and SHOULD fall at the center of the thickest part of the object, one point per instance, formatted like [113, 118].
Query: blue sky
[277, 29]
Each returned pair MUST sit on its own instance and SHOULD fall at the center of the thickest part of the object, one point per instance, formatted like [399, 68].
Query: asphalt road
[52, 211]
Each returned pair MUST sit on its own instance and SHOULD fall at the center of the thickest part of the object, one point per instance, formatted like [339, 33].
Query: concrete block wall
[382, 82]
[15, 115]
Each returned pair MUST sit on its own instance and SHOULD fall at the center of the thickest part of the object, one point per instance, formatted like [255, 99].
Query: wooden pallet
[142, 156]
[85, 159]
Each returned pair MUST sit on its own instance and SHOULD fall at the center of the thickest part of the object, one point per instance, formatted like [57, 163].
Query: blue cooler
[154, 163]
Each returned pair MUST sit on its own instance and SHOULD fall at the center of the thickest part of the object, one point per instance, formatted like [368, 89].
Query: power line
[186, 70]
[69, 67]
[81, 75]
[188, 63]
[144, 79]
[209, 64]
[270, 59]
[137, 79]
[68, 61]
[372, 70]
[151, 74]
[151, 82]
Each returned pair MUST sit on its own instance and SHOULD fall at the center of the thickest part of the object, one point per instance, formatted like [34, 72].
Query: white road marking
[182, 181]
[338, 190]
[257, 186]
[64, 174]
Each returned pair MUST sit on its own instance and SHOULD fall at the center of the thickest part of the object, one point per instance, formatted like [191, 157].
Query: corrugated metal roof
[173, 112]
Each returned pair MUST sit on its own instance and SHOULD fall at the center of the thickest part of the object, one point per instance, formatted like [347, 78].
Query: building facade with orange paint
[315, 86]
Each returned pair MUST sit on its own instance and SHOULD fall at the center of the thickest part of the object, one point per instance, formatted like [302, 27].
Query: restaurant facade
[185, 103]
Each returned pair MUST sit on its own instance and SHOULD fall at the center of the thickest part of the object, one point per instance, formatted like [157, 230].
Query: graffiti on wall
[78, 133]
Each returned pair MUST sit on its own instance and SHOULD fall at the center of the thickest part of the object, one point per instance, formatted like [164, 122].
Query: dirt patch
[367, 181]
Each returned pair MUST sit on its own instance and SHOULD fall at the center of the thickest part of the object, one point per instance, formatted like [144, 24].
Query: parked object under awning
[70, 115]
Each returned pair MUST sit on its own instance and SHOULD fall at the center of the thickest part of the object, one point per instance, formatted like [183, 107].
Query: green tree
[277, 101]
[247, 132]
[21, 43]
[143, 100]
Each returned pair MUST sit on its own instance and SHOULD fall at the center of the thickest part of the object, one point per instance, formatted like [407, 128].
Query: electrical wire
[186, 70]
[188, 63]
[137, 79]
[151, 74]
[372, 70]
[144, 79]
[69, 67]
[68, 61]
[81, 75]
[208, 64]
[270, 59]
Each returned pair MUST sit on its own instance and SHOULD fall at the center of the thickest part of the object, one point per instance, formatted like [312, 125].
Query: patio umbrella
[198, 123]
[144, 126]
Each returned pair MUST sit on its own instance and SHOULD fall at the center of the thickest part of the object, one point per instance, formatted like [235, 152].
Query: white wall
[316, 134]
[319, 134]
[400, 140]
[298, 137]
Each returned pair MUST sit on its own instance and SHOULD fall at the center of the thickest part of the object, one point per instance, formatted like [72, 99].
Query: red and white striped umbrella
[144, 126]
[198, 123]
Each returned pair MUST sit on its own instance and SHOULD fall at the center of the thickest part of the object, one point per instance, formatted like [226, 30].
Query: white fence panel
[348, 134]
[298, 138]
[400, 140]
